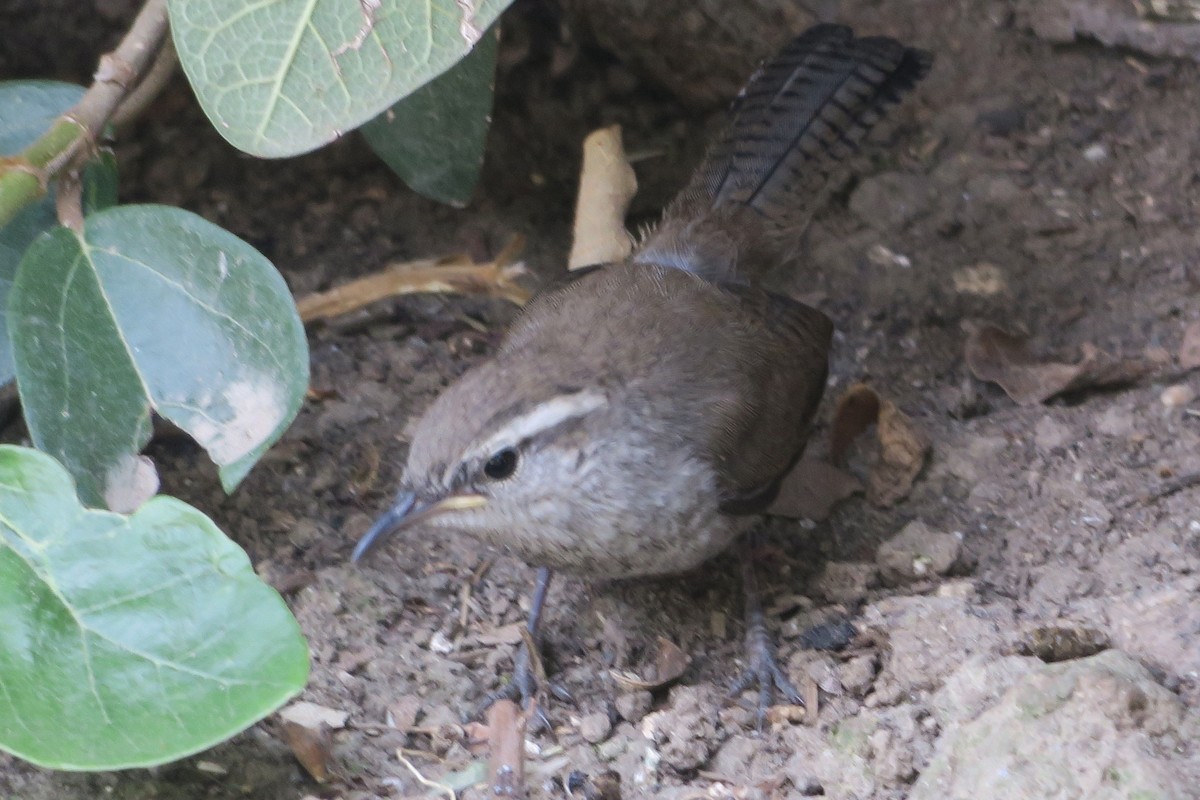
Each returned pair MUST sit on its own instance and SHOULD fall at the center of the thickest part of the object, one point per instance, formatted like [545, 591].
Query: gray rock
[891, 200]
[1079, 729]
[917, 552]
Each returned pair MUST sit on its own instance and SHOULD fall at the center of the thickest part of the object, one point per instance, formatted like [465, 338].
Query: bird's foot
[524, 687]
[763, 671]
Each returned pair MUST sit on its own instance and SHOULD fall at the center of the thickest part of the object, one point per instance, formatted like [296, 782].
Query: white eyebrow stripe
[542, 417]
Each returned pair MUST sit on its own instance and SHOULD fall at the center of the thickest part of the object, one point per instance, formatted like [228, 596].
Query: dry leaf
[310, 715]
[902, 450]
[606, 185]
[901, 446]
[856, 411]
[1189, 351]
[812, 489]
[1003, 358]
[311, 745]
[669, 663]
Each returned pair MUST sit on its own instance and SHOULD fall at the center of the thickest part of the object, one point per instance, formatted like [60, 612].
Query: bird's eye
[501, 465]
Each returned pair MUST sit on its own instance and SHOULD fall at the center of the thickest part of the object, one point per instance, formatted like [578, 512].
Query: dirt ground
[1052, 189]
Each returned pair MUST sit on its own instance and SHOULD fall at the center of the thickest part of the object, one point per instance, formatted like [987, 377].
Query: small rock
[632, 706]
[983, 280]
[1116, 421]
[882, 256]
[1095, 152]
[595, 728]
[1177, 396]
[845, 582]
[917, 552]
[686, 732]
[1094, 514]
[1084, 727]
[891, 200]
[1054, 643]
[1050, 434]
[858, 674]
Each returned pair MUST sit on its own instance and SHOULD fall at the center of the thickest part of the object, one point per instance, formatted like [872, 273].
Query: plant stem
[24, 179]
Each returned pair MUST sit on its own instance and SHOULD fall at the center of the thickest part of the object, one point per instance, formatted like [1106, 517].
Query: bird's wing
[781, 361]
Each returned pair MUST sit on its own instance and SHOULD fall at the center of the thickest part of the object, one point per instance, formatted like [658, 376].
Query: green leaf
[128, 641]
[282, 78]
[27, 108]
[153, 307]
[434, 138]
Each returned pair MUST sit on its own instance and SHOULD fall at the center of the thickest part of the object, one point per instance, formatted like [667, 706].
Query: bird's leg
[523, 685]
[762, 669]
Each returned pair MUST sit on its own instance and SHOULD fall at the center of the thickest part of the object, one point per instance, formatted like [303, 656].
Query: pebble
[1050, 434]
[858, 674]
[595, 728]
[632, 706]
[1177, 396]
[917, 552]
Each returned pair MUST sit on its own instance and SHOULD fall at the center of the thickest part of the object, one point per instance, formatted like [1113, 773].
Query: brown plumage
[638, 416]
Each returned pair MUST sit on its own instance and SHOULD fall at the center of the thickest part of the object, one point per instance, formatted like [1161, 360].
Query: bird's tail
[792, 125]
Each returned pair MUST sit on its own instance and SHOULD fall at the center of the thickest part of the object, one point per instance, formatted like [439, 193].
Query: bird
[639, 417]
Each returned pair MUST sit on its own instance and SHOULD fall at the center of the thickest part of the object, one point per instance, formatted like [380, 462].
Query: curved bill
[407, 511]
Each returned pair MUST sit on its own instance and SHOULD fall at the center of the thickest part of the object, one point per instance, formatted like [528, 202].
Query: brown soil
[1072, 170]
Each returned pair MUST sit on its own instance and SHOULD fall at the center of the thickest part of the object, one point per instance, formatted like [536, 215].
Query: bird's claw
[523, 688]
[765, 673]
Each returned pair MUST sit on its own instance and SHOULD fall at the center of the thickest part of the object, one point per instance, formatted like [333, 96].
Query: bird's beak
[407, 511]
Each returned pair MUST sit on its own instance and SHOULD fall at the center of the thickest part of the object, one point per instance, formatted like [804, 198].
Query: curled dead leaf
[1003, 358]
[606, 186]
[902, 450]
[812, 489]
[311, 746]
[669, 663]
[307, 730]
[311, 714]
[902, 447]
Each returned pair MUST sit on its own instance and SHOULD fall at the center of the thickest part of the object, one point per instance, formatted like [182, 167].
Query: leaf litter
[995, 355]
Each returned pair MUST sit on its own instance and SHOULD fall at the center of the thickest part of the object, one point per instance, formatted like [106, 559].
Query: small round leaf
[128, 641]
[152, 308]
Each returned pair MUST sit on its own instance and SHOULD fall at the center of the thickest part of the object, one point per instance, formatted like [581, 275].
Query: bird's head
[501, 450]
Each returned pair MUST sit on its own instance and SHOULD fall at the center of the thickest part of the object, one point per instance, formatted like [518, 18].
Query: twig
[151, 85]
[441, 787]
[1164, 490]
[24, 179]
[453, 274]
[68, 202]
[506, 741]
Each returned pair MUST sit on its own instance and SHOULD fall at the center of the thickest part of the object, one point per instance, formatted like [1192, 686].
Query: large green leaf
[27, 108]
[152, 307]
[434, 138]
[285, 77]
[128, 641]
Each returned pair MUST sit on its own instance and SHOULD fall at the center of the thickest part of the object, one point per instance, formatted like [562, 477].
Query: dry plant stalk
[506, 742]
[606, 186]
[451, 274]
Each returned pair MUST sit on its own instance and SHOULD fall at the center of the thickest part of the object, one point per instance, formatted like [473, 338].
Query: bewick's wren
[640, 416]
